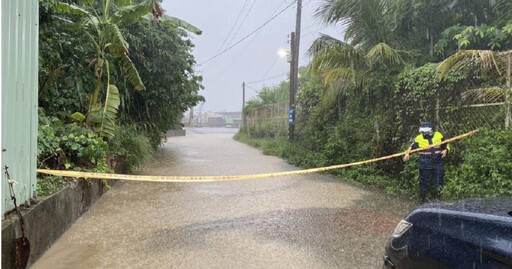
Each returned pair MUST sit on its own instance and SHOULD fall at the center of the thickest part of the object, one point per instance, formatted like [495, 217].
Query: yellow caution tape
[76, 174]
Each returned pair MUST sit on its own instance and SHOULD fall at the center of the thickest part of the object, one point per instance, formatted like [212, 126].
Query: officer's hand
[406, 157]
[443, 153]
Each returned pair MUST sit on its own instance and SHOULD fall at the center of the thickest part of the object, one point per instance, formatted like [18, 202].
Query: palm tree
[364, 21]
[101, 25]
[344, 66]
[487, 60]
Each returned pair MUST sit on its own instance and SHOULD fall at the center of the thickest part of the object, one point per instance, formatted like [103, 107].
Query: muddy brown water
[310, 221]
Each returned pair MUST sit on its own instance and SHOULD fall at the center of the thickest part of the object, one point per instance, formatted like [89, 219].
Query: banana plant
[101, 25]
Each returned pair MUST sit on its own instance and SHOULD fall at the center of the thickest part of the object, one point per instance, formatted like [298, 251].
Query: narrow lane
[312, 221]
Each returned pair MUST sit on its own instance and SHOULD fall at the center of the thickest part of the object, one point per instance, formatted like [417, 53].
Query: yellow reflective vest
[430, 158]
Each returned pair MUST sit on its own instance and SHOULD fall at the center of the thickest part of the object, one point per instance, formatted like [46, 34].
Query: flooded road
[311, 221]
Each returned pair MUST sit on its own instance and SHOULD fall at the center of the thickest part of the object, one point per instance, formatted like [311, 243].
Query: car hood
[501, 207]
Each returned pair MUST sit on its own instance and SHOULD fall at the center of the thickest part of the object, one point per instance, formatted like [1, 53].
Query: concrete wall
[46, 221]
[176, 132]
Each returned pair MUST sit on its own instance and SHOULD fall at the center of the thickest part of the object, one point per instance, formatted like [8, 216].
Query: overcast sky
[255, 58]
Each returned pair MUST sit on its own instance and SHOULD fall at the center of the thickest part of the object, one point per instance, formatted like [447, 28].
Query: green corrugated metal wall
[20, 21]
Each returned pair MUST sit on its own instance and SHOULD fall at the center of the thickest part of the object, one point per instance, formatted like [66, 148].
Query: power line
[250, 34]
[265, 79]
[238, 55]
[253, 89]
[310, 26]
[233, 26]
[272, 65]
[309, 33]
[243, 21]
[309, 2]
[249, 44]
[230, 31]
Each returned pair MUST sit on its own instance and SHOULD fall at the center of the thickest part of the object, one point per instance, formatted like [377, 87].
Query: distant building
[232, 119]
[216, 122]
[215, 119]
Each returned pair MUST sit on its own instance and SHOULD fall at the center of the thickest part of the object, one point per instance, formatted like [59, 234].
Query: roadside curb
[46, 221]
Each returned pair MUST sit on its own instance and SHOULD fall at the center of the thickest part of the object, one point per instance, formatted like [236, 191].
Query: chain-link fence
[272, 119]
[475, 109]
[481, 108]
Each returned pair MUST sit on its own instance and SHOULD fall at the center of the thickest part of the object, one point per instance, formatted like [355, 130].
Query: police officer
[431, 160]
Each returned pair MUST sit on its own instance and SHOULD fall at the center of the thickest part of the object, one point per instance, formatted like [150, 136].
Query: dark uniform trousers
[431, 176]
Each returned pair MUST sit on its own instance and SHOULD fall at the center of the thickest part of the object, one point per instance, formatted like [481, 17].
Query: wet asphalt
[310, 221]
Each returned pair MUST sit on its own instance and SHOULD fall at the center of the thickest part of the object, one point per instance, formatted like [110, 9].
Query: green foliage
[357, 129]
[487, 167]
[417, 91]
[370, 175]
[275, 147]
[269, 95]
[70, 146]
[67, 146]
[366, 94]
[347, 68]
[348, 144]
[281, 147]
[65, 81]
[106, 38]
[48, 185]
[247, 139]
[165, 62]
[131, 73]
[87, 47]
[78, 117]
[480, 37]
[480, 174]
[130, 149]
[132, 13]
[177, 23]
[365, 21]
[269, 129]
[103, 119]
[433, 39]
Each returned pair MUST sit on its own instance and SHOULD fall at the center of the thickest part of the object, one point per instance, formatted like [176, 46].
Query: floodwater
[310, 221]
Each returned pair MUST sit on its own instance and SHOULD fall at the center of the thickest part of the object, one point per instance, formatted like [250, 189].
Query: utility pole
[191, 118]
[508, 114]
[291, 105]
[243, 105]
[294, 72]
[200, 115]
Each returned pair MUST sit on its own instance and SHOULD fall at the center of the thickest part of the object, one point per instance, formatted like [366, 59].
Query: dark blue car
[466, 234]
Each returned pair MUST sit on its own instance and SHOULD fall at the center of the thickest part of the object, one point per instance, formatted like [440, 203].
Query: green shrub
[275, 147]
[409, 177]
[130, 149]
[368, 175]
[70, 146]
[67, 147]
[247, 139]
[50, 184]
[487, 167]
[271, 129]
